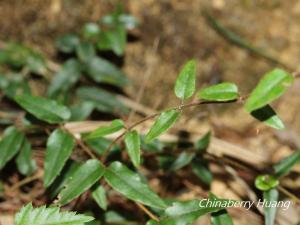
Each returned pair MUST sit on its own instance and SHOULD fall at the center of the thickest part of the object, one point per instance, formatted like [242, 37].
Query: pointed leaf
[285, 165]
[91, 31]
[26, 165]
[115, 126]
[133, 147]
[67, 43]
[103, 71]
[130, 185]
[10, 144]
[270, 212]
[201, 170]
[271, 86]
[43, 108]
[183, 159]
[268, 116]
[65, 78]
[166, 120]
[220, 92]
[103, 100]
[59, 148]
[186, 81]
[203, 143]
[49, 216]
[66, 176]
[85, 51]
[84, 177]
[100, 197]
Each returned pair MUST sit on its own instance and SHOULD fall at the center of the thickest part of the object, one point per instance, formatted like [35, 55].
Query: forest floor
[170, 33]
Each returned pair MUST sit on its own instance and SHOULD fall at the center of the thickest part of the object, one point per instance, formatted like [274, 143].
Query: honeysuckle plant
[67, 179]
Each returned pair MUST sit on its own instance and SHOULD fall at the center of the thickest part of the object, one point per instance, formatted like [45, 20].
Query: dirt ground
[170, 33]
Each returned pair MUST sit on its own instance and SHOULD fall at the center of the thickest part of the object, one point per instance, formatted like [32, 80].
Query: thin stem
[85, 148]
[27, 180]
[289, 194]
[150, 214]
[180, 107]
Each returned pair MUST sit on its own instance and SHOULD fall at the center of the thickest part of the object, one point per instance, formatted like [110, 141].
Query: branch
[180, 107]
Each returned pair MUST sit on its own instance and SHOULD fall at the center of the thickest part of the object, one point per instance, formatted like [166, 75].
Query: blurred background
[169, 33]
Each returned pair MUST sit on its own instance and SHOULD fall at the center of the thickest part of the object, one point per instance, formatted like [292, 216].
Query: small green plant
[67, 178]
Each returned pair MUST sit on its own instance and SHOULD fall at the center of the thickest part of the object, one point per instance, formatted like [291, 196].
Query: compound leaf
[46, 216]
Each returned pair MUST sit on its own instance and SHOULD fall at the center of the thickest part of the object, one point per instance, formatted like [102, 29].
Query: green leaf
[84, 177]
[18, 55]
[184, 213]
[114, 127]
[14, 84]
[268, 116]
[201, 170]
[133, 147]
[10, 144]
[270, 212]
[26, 165]
[66, 176]
[221, 218]
[166, 120]
[59, 148]
[186, 81]
[114, 40]
[266, 182]
[219, 92]
[203, 143]
[102, 100]
[103, 71]
[183, 159]
[67, 43]
[152, 222]
[285, 165]
[65, 78]
[43, 108]
[100, 197]
[49, 216]
[91, 31]
[81, 111]
[271, 86]
[85, 51]
[130, 185]
[99, 145]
